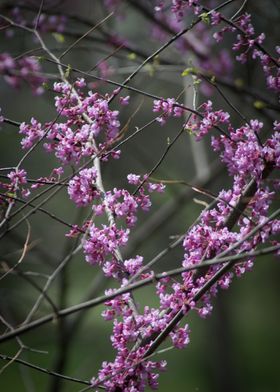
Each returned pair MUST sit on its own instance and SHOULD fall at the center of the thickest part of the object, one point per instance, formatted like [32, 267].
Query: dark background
[237, 348]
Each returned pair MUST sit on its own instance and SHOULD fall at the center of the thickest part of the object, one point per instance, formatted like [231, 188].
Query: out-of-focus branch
[43, 370]
[220, 259]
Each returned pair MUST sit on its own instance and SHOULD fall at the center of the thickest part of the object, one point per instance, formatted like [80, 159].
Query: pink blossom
[82, 188]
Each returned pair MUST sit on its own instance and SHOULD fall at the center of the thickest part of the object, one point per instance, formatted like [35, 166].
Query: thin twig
[43, 370]
[139, 284]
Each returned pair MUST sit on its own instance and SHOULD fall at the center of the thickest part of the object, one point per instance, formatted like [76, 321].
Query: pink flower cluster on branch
[25, 69]
[168, 108]
[179, 7]
[83, 136]
[1, 117]
[74, 138]
[250, 46]
[124, 206]
[247, 160]
[45, 24]
[89, 118]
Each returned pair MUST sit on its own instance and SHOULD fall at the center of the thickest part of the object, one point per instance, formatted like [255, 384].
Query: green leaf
[68, 71]
[205, 17]
[59, 37]
[150, 69]
[131, 56]
[239, 82]
[11, 194]
[188, 71]
[196, 81]
[259, 105]
[189, 130]
[40, 59]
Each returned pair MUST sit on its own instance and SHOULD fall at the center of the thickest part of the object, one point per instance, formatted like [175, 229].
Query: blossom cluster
[102, 242]
[47, 23]
[179, 7]
[1, 117]
[83, 135]
[246, 159]
[51, 23]
[242, 150]
[25, 69]
[87, 118]
[207, 239]
[17, 180]
[82, 189]
[197, 40]
[168, 108]
[249, 44]
[209, 120]
[112, 4]
[170, 17]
